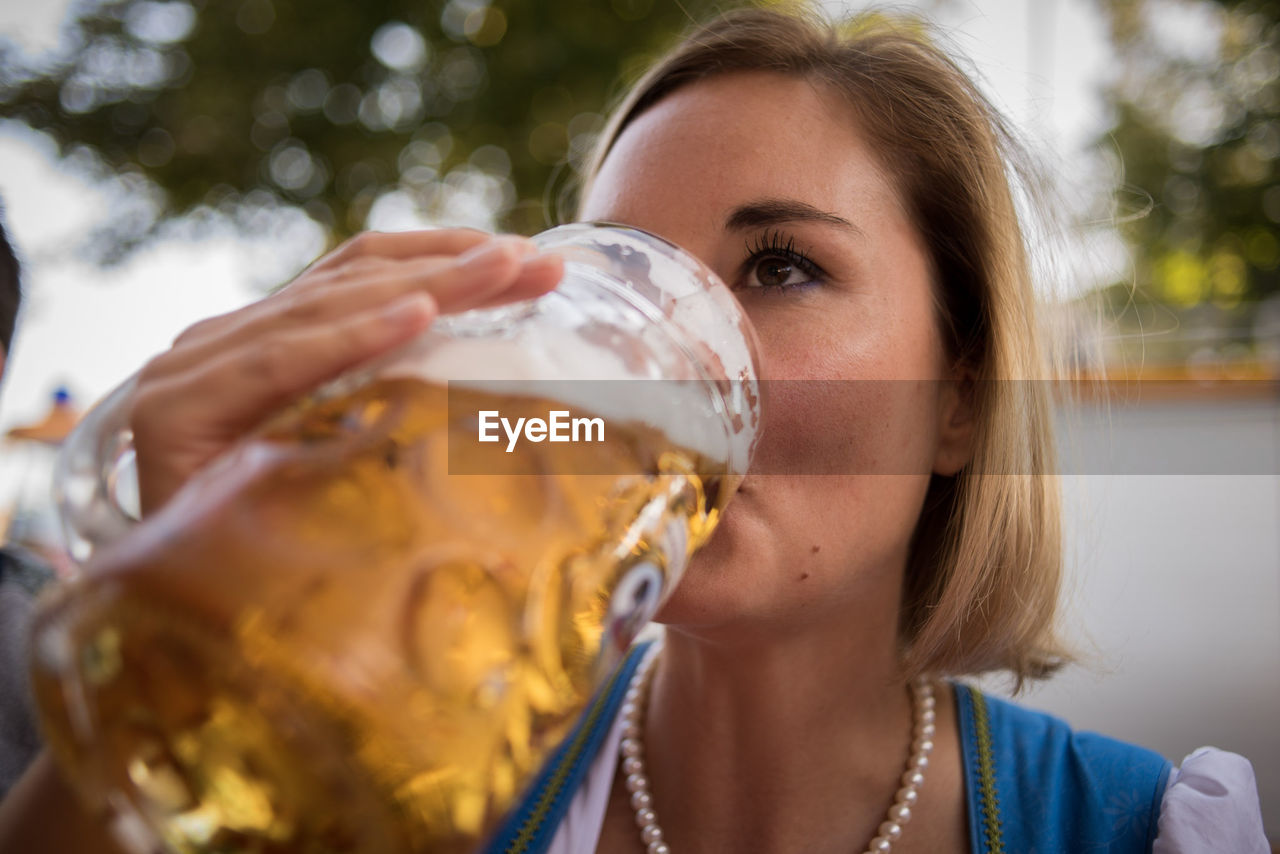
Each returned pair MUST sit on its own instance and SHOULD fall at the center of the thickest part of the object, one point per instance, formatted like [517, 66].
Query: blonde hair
[983, 577]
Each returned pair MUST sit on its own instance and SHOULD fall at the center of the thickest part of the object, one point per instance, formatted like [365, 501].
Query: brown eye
[773, 272]
[774, 264]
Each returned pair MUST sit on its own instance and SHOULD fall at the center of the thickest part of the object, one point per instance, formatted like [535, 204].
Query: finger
[538, 275]
[476, 277]
[404, 244]
[217, 401]
[368, 268]
[488, 275]
[497, 271]
[503, 270]
[203, 389]
[288, 362]
[482, 274]
[296, 300]
[489, 257]
[370, 254]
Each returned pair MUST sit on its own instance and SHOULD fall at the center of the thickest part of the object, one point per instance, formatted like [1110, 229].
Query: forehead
[708, 146]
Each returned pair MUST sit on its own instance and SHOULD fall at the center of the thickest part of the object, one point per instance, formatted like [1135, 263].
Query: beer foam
[588, 382]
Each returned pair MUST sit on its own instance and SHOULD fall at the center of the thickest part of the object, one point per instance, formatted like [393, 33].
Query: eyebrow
[775, 211]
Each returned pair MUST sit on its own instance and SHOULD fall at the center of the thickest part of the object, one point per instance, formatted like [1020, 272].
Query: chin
[719, 577]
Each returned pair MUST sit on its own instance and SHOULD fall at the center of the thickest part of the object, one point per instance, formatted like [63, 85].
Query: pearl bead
[891, 830]
[631, 749]
[651, 834]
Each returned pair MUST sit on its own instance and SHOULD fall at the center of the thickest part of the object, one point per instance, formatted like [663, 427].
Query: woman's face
[769, 181]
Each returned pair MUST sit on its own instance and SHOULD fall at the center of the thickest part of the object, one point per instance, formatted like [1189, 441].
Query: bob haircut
[983, 576]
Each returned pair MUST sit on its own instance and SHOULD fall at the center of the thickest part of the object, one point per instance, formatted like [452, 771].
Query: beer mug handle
[95, 478]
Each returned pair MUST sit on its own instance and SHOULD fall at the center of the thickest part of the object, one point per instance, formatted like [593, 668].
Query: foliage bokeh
[1197, 130]
[466, 111]
[480, 112]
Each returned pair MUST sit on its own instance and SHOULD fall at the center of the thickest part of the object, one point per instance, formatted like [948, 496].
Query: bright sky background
[1042, 60]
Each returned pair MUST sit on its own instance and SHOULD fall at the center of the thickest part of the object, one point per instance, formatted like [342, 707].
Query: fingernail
[538, 263]
[409, 311]
[492, 255]
[525, 246]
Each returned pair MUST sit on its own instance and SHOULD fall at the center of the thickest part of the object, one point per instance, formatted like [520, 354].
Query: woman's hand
[225, 375]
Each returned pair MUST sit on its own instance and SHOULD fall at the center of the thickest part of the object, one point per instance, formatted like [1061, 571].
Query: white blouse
[1211, 805]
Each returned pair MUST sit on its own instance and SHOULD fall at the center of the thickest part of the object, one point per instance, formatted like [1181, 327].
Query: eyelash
[774, 244]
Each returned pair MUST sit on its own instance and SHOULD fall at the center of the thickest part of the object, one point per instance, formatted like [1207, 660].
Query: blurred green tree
[1196, 102]
[469, 111]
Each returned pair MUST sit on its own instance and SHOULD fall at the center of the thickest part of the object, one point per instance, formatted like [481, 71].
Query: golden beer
[366, 627]
[329, 643]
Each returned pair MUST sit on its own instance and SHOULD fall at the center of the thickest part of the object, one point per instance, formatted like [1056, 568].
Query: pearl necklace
[631, 750]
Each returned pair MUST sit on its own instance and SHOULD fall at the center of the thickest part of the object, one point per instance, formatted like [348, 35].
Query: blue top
[1032, 785]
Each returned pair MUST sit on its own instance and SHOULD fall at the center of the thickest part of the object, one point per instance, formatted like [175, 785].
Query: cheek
[848, 426]
[857, 392]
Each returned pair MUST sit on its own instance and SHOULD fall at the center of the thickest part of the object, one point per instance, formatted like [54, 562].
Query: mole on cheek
[803, 576]
[814, 550]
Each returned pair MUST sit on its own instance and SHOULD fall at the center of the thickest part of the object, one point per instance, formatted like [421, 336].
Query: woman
[853, 190]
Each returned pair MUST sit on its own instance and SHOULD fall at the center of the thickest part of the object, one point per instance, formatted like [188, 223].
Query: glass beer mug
[366, 627]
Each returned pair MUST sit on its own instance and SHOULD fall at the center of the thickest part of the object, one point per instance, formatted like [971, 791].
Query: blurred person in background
[21, 577]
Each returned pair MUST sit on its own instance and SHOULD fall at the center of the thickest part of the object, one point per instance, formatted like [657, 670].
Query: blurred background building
[164, 160]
